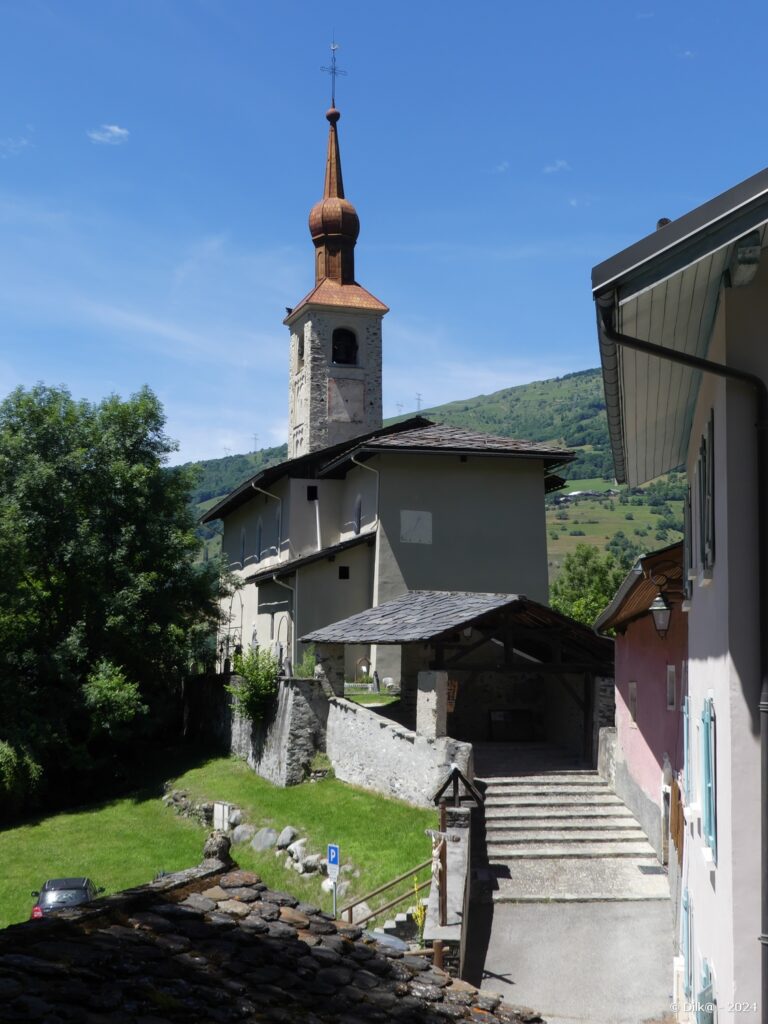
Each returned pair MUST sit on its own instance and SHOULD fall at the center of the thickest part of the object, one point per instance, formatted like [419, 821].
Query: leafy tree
[586, 584]
[97, 581]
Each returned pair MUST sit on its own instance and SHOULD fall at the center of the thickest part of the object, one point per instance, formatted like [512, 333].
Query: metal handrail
[383, 888]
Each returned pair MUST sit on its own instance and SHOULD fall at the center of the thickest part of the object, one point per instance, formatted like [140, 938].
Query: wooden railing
[383, 888]
[455, 778]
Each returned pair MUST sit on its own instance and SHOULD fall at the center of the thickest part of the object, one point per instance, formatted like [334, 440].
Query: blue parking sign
[334, 861]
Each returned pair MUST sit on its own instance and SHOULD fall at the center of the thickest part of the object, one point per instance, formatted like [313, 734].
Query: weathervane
[333, 71]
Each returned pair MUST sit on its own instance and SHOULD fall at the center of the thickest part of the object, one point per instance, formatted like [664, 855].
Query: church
[362, 513]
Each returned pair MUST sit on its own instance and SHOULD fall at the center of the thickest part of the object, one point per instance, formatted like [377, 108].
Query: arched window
[344, 347]
[357, 515]
[259, 531]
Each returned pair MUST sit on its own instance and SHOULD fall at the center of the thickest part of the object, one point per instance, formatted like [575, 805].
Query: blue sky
[158, 160]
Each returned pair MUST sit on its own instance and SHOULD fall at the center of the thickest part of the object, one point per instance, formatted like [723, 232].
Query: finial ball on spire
[333, 115]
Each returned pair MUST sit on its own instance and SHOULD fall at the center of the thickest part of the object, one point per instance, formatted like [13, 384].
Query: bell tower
[335, 360]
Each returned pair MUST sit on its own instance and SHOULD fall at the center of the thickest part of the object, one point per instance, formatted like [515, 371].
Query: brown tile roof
[331, 293]
[215, 948]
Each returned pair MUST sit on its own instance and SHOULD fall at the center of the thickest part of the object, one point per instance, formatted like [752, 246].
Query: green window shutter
[687, 546]
[705, 1000]
[708, 792]
[687, 921]
[687, 750]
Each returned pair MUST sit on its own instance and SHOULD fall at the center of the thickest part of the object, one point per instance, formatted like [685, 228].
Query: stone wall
[280, 747]
[371, 751]
[365, 748]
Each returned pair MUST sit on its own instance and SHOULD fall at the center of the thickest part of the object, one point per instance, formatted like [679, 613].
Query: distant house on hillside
[682, 318]
[360, 514]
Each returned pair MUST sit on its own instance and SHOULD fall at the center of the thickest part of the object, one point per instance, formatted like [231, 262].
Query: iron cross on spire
[333, 71]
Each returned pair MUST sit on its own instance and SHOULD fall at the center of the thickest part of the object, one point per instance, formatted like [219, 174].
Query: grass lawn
[379, 699]
[127, 841]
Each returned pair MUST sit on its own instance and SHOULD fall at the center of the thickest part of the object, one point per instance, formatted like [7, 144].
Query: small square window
[633, 701]
[343, 572]
[312, 492]
[671, 688]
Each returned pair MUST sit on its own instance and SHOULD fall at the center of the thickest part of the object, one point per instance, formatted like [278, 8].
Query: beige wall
[323, 598]
[487, 525]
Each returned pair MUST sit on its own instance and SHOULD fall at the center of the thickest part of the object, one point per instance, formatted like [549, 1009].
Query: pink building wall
[642, 656]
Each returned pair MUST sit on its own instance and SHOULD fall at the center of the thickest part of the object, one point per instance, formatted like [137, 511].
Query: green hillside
[567, 411]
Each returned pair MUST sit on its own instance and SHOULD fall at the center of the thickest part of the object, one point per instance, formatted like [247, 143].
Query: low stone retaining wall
[371, 751]
[281, 747]
[364, 747]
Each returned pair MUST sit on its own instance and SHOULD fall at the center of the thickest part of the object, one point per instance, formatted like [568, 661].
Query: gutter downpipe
[279, 501]
[606, 309]
[370, 469]
[294, 613]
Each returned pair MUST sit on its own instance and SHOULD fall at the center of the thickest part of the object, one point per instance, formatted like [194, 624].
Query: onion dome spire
[333, 222]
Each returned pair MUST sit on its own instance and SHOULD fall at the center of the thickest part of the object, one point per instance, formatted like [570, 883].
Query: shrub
[111, 698]
[255, 692]
[20, 777]
[305, 669]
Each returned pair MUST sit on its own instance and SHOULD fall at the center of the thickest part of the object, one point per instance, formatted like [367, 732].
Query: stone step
[585, 778]
[577, 880]
[591, 812]
[553, 800]
[563, 792]
[544, 825]
[545, 837]
[573, 850]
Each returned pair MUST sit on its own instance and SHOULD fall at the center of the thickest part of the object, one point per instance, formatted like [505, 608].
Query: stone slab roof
[416, 435]
[441, 438]
[419, 615]
[220, 947]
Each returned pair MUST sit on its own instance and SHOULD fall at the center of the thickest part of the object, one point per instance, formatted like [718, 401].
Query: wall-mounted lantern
[661, 613]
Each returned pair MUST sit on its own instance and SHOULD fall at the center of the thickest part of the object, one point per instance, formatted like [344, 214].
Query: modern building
[681, 324]
[360, 513]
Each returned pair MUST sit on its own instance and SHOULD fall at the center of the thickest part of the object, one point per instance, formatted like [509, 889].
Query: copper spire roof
[334, 227]
[333, 222]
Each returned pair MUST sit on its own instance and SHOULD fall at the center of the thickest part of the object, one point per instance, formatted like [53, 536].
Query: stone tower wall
[329, 403]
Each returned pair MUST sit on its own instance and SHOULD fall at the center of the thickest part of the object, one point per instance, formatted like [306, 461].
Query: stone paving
[207, 946]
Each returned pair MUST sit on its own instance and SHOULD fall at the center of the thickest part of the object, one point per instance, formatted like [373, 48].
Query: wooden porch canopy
[531, 638]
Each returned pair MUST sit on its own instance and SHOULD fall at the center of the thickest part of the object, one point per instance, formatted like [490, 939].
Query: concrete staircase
[557, 832]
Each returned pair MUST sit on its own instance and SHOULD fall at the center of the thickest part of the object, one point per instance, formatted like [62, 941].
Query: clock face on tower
[415, 527]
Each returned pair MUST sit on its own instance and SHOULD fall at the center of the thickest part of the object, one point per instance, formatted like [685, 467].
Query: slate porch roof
[221, 948]
[421, 616]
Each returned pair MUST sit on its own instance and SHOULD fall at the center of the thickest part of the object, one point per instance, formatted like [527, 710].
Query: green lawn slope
[128, 841]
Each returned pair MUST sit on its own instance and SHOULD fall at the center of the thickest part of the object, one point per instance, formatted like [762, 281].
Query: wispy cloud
[12, 147]
[108, 135]
[556, 166]
[501, 168]
[686, 55]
